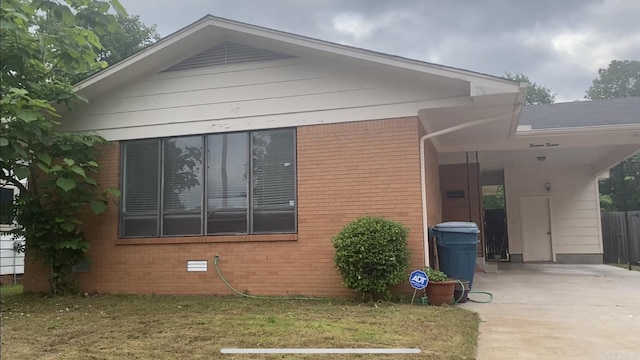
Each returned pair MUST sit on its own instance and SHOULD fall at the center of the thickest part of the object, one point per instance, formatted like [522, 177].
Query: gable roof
[210, 30]
[596, 113]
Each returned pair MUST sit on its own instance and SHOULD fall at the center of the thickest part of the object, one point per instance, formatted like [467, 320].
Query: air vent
[227, 53]
[196, 265]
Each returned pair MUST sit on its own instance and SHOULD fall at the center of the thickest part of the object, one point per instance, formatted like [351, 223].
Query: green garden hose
[215, 265]
[473, 292]
[481, 292]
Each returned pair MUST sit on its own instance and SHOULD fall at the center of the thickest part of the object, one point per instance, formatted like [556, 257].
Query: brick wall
[453, 177]
[344, 171]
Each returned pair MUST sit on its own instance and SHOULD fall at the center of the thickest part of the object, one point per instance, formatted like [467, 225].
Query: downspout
[423, 170]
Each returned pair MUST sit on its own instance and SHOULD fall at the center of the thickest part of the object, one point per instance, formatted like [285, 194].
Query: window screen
[227, 191]
[273, 181]
[233, 183]
[141, 184]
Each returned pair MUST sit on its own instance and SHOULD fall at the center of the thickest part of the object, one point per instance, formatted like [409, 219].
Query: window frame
[16, 192]
[205, 187]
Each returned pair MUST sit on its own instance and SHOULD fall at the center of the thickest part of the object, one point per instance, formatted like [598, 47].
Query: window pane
[274, 181]
[6, 206]
[182, 188]
[141, 172]
[228, 155]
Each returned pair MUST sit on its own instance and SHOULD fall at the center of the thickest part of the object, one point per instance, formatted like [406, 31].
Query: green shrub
[372, 254]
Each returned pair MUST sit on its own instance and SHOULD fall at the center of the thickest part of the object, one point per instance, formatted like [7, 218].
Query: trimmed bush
[372, 254]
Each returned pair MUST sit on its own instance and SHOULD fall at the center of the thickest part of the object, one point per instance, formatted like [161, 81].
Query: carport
[558, 311]
[549, 160]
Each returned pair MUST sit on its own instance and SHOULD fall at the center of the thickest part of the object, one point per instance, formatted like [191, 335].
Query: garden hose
[473, 292]
[461, 294]
[215, 265]
[480, 301]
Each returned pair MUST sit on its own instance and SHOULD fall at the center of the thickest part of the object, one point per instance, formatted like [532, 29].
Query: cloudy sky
[560, 44]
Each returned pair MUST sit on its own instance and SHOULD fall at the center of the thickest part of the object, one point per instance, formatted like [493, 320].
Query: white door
[536, 229]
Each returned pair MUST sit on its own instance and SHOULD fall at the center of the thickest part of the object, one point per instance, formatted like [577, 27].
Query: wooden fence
[614, 237]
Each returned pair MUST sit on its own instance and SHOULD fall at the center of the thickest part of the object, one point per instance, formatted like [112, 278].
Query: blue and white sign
[418, 279]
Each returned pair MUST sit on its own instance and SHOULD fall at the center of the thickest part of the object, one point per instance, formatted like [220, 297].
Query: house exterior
[11, 254]
[257, 146]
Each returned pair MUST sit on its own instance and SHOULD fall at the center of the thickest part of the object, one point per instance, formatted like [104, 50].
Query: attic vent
[227, 53]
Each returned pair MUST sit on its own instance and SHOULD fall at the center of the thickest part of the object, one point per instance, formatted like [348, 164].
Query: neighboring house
[258, 146]
[11, 254]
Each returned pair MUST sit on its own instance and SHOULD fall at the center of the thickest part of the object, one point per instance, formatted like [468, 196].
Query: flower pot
[461, 291]
[440, 292]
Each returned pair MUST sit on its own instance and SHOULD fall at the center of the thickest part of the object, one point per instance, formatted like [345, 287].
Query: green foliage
[43, 45]
[621, 79]
[435, 275]
[372, 254]
[130, 36]
[623, 187]
[495, 201]
[536, 94]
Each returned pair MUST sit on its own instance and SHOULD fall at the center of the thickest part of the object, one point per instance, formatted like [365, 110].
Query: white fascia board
[517, 109]
[582, 130]
[480, 84]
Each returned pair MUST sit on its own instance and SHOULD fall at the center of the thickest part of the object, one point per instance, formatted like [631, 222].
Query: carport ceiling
[547, 156]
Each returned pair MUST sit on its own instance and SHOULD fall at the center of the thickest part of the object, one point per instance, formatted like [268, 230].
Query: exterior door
[536, 229]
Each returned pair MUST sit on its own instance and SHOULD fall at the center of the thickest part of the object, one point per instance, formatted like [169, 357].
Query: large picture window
[234, 183]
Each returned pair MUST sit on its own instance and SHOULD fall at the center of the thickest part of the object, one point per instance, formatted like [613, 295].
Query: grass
[10, 290]
[626, 266]
[197, 327]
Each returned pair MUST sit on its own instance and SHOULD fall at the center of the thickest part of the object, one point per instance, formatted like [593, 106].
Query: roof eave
[480, 84]
[581, 130]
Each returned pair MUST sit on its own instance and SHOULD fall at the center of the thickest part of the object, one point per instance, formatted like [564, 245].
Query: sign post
[418, 280]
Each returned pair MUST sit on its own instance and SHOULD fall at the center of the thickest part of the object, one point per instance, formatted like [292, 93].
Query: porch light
[547, 186]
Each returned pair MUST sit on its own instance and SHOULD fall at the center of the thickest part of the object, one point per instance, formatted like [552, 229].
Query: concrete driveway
[553, 311]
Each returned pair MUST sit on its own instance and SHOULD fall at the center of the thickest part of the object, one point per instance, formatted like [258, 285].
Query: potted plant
[440, 287]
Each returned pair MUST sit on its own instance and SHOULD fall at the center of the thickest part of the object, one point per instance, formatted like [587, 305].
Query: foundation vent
[196, 265]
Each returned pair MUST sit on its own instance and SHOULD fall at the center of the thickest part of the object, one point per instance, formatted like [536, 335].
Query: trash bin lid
[458, 227]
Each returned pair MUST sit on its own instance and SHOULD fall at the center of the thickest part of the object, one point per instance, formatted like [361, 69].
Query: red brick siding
[432, 184]
[454, 177]
[344, 171]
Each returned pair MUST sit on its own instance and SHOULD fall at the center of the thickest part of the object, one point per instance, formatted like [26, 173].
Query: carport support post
[626, 213]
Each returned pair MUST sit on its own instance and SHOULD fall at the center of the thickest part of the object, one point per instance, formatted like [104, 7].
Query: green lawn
[626, 266]
[173, 327]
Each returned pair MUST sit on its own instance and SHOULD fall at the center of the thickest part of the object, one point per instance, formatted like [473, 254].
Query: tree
[43, 45]
[623, 183]
[130, 36]
[621, 79]
[536, 94]
[495, 201]
[124, 37]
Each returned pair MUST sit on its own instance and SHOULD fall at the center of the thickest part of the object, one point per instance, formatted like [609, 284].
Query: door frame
[549, 204]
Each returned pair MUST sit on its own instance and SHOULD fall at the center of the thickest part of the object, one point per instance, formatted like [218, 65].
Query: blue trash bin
[457, 244]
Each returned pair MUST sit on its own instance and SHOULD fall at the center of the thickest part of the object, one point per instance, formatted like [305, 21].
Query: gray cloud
[559, 44]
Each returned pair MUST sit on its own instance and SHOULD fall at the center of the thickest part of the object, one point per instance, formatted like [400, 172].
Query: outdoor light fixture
[542, 158]
[547, 186]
